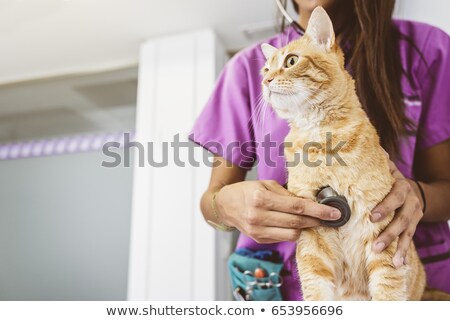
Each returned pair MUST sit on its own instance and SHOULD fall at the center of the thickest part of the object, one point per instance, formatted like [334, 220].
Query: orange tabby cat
[306, 83]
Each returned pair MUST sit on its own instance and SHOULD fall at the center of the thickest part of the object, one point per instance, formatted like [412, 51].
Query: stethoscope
[294, 24]
[326, 195]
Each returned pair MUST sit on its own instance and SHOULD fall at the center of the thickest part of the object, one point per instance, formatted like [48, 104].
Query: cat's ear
[320, 29]
[268, 50]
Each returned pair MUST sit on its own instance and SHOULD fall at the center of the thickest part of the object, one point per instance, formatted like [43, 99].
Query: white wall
[434, 12]
[64, 228]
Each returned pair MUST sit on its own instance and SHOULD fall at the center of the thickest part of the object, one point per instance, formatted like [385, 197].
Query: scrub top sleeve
[434, 79]
[224, 126]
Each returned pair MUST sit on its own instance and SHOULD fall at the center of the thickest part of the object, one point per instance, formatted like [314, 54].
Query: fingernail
[398, 261]
[335, 214]
[376, 217]
[379, 247]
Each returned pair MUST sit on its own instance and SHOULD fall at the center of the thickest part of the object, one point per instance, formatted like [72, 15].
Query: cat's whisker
[263, 106]
[256, 114]
[314, 90]
[305, 95]
[308, 100]
[259, 106]
[262, 119]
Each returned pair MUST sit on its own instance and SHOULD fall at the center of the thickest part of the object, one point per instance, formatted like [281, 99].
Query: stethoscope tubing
[294, 24]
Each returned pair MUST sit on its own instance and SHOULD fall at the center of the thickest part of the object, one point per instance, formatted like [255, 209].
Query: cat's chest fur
[357, 171]
[313, 153]
[351, 276]
[308, 126]
[346, 156]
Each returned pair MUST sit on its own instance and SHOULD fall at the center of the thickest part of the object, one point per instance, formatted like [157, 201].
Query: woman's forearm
[223, 173]
[437, 195]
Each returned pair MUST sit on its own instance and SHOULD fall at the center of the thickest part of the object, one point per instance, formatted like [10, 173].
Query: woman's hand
[405, 200]
[267, 212]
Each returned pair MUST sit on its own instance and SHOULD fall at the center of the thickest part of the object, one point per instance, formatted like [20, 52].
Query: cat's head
[302, 75]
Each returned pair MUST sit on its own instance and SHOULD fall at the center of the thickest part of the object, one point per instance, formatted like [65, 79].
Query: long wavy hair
[374, 61]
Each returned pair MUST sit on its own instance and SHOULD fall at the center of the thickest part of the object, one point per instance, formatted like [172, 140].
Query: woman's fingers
[403, 200]
[259, 217]
[294, 205]
[394, 200]
[392, 231]
[275, 215]
[398, 225]
[275, 187]
[394, 171]
[404, 241]
[403, 226]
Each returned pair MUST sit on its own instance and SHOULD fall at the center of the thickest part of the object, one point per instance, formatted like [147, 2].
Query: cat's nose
[268, 80]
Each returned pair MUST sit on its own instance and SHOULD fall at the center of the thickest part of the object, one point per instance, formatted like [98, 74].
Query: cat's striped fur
[317, 96]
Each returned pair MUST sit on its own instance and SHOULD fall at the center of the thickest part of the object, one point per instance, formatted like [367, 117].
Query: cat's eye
[266, 70]
[290, 61]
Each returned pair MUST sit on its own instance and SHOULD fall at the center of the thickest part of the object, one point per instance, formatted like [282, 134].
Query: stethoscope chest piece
[328, 196]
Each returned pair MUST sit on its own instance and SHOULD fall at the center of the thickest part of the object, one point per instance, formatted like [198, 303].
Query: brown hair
[376, 66]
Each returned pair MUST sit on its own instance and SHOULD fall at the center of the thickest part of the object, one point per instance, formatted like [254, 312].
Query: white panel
[206, 56]
[173, 249]
[171, 233]
[142, 187]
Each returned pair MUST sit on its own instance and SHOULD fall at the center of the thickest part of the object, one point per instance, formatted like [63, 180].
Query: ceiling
[44, 38]
[82, 55]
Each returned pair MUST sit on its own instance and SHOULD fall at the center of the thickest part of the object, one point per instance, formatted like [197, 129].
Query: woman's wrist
[423, 198]
[418, 189]
[218, 222]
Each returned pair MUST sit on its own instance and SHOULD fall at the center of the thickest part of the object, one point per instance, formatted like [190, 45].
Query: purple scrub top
[233, 117]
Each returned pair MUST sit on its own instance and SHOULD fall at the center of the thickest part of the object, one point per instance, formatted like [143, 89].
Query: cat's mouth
[281, 91]
[275, 88]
